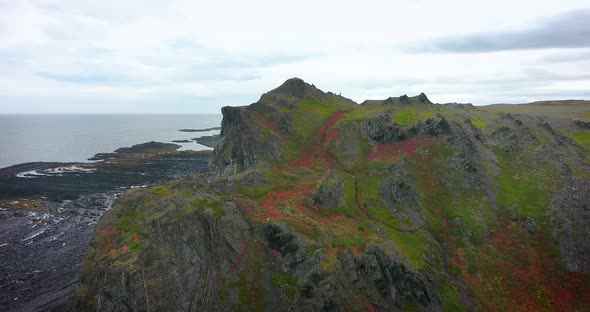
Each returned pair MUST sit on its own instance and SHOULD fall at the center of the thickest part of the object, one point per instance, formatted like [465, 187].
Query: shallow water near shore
[75, 138]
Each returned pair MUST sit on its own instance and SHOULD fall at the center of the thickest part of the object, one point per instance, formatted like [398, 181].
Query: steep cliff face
[317, 203]
[243, 142]
[254, 133]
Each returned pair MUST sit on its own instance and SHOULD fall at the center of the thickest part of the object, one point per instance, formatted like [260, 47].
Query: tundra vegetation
[315, 202]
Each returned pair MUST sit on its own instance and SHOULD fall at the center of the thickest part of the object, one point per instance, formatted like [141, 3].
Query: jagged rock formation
[317, 203]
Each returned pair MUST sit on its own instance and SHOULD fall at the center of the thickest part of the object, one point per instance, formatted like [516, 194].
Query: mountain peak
[295, 87]
[403, 99]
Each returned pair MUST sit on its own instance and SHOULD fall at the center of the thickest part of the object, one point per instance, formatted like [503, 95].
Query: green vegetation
[286, 282]
[311, 115]
[411, 115]
[524, 191]
[280, 180]
[413, 245]
[161, 190]
[479, 123]
[129, 225]
[583, 139]
[452, 220]
[348, 241]
[451, 300]
[363, 113]
[201, 204]
[250, 286]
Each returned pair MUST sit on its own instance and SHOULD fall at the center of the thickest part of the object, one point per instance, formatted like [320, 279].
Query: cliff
[318, 203]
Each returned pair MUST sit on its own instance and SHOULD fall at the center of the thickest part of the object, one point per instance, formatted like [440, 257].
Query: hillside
[315, 202]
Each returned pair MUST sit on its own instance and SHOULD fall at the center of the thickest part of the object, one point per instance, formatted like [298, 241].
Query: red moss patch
[319, 143]
[274, 199]
[105, 239]
[518, 272]
[392, 151]
[269, 125]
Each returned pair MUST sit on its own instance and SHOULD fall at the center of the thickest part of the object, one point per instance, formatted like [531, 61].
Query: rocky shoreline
[48, 212]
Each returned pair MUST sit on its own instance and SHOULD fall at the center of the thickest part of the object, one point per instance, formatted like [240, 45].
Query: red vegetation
[319, 143]
[530, 278]
[332, 218]
[269, 125]
[274, 199]
[105, 239]
[393, 151]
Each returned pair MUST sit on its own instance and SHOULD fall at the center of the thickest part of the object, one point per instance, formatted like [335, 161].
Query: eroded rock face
[345, 221]
[175, 271]
[393, 279]
[382, 130]
[582, 124]
[204, 253]
[243, 143]
[401, 197]
[570, 217]
[331, 191]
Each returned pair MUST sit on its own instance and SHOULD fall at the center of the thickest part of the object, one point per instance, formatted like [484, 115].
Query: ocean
[75, 138]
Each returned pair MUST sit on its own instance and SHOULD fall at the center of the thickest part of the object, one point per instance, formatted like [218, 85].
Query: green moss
[348, 240]
[348, 206]
[201, 204]
[135, 247]
[413, 245]
[223, 294]
[310, 115]
[369, 189]
[364, 112]
[309, 232]
[129, 225]
[451, 300]
[286, 282]
[250, 289]
[479, 123]
[523, 190]
[583, 139]
[280, 180]
[474, 211]
[128, 220]
[161, 190]
[411, 115]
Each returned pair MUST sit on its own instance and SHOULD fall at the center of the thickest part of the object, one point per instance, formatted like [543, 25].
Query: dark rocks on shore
[49, 211]
[181, 141]
[209, 141]
[16, 169]
[149, 148]
[200, 130]
[153, 148]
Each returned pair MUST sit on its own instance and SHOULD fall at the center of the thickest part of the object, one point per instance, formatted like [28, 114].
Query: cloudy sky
[176, 56]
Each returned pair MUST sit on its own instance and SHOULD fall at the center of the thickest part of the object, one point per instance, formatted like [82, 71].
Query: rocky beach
[48, 212]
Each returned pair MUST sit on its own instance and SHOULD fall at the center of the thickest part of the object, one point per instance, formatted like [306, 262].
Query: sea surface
[75, 138]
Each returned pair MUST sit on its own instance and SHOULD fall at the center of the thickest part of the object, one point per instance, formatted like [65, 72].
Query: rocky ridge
[317, 203]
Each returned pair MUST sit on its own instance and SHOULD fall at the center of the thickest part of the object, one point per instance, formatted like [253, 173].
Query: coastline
[48, 211]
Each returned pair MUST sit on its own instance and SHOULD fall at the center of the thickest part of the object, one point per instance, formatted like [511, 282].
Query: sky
[177, 56]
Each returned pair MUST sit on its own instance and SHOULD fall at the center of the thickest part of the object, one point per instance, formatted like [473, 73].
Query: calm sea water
[75, 138]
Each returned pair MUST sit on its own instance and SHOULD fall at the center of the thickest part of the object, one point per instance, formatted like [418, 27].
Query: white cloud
[202, 55]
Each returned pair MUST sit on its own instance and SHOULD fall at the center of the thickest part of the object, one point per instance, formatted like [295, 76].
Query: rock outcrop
[315, 203]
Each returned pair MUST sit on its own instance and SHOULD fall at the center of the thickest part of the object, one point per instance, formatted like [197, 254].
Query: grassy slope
[502, 265]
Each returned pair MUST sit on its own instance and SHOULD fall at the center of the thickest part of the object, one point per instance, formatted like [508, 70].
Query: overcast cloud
[177, 56]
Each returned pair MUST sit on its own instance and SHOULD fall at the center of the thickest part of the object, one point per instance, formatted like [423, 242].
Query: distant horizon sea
[75, 138]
